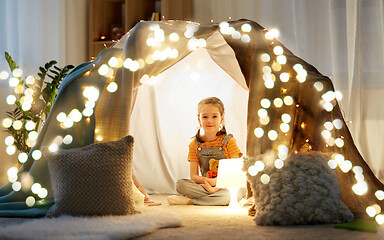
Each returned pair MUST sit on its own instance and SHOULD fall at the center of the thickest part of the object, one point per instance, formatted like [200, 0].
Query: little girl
[211, 143]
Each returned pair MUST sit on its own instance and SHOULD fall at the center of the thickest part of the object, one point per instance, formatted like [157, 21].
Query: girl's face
[210, 118]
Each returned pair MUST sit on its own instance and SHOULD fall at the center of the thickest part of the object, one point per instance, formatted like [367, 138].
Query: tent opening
[164, 117]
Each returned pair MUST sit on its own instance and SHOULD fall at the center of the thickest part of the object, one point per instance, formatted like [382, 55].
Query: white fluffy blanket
[304, 191]
[95, 228]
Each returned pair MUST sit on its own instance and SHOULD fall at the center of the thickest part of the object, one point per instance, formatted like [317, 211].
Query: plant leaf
[12, 65]
[42, 70]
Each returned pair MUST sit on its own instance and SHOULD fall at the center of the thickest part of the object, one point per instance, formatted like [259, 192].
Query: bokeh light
[259, 132]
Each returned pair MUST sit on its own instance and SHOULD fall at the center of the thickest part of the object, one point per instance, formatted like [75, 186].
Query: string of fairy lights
[162, 50]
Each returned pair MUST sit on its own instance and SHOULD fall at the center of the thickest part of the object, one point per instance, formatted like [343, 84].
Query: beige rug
[198, 222]
[95, 228]
[203, 222]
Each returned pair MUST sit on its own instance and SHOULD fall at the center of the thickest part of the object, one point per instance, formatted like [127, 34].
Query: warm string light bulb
[265, 179]
[17, 73]
[259, 132]
[23, 157]
[379, 195]
[271, 34]
[4, 75]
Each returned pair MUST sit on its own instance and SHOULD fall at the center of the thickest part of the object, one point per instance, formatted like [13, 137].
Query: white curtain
[343, 39]
[35, 32]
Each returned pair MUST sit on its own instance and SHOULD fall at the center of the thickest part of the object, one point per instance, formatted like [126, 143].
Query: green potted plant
[32, 101]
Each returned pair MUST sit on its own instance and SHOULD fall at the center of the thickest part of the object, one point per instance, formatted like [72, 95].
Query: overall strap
[226, 139]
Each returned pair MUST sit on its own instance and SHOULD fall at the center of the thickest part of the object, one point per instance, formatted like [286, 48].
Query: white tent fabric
[350, 31]
[163, 123]
[344, 39]
[111, 118]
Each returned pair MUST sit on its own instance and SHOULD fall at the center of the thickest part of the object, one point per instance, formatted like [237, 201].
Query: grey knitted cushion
[93, 180]
[304, 191]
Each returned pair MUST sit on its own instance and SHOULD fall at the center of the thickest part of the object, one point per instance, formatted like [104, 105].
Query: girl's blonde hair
[214, 101]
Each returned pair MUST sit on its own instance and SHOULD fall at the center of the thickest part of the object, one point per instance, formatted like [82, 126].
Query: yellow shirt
[230, 149]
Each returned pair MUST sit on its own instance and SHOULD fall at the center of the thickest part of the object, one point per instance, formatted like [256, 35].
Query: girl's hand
[207, 186]
[149, 202]
[211, 181]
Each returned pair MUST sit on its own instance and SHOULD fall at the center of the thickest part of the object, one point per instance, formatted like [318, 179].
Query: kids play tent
[149, 83]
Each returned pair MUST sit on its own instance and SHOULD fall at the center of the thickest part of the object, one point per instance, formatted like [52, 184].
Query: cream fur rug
[96, 228]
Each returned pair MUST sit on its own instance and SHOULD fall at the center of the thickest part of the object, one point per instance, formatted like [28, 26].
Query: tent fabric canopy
[246, 56]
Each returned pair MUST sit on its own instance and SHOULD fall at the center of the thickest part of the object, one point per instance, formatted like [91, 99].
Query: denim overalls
[198, 194]
[207, 153]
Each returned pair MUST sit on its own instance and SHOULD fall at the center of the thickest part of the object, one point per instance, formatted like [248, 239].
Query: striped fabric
[230, 149]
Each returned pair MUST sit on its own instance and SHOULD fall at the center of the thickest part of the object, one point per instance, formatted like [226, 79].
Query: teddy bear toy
[213, 168]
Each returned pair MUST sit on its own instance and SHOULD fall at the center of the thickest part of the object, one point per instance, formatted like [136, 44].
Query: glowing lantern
[231, 176]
